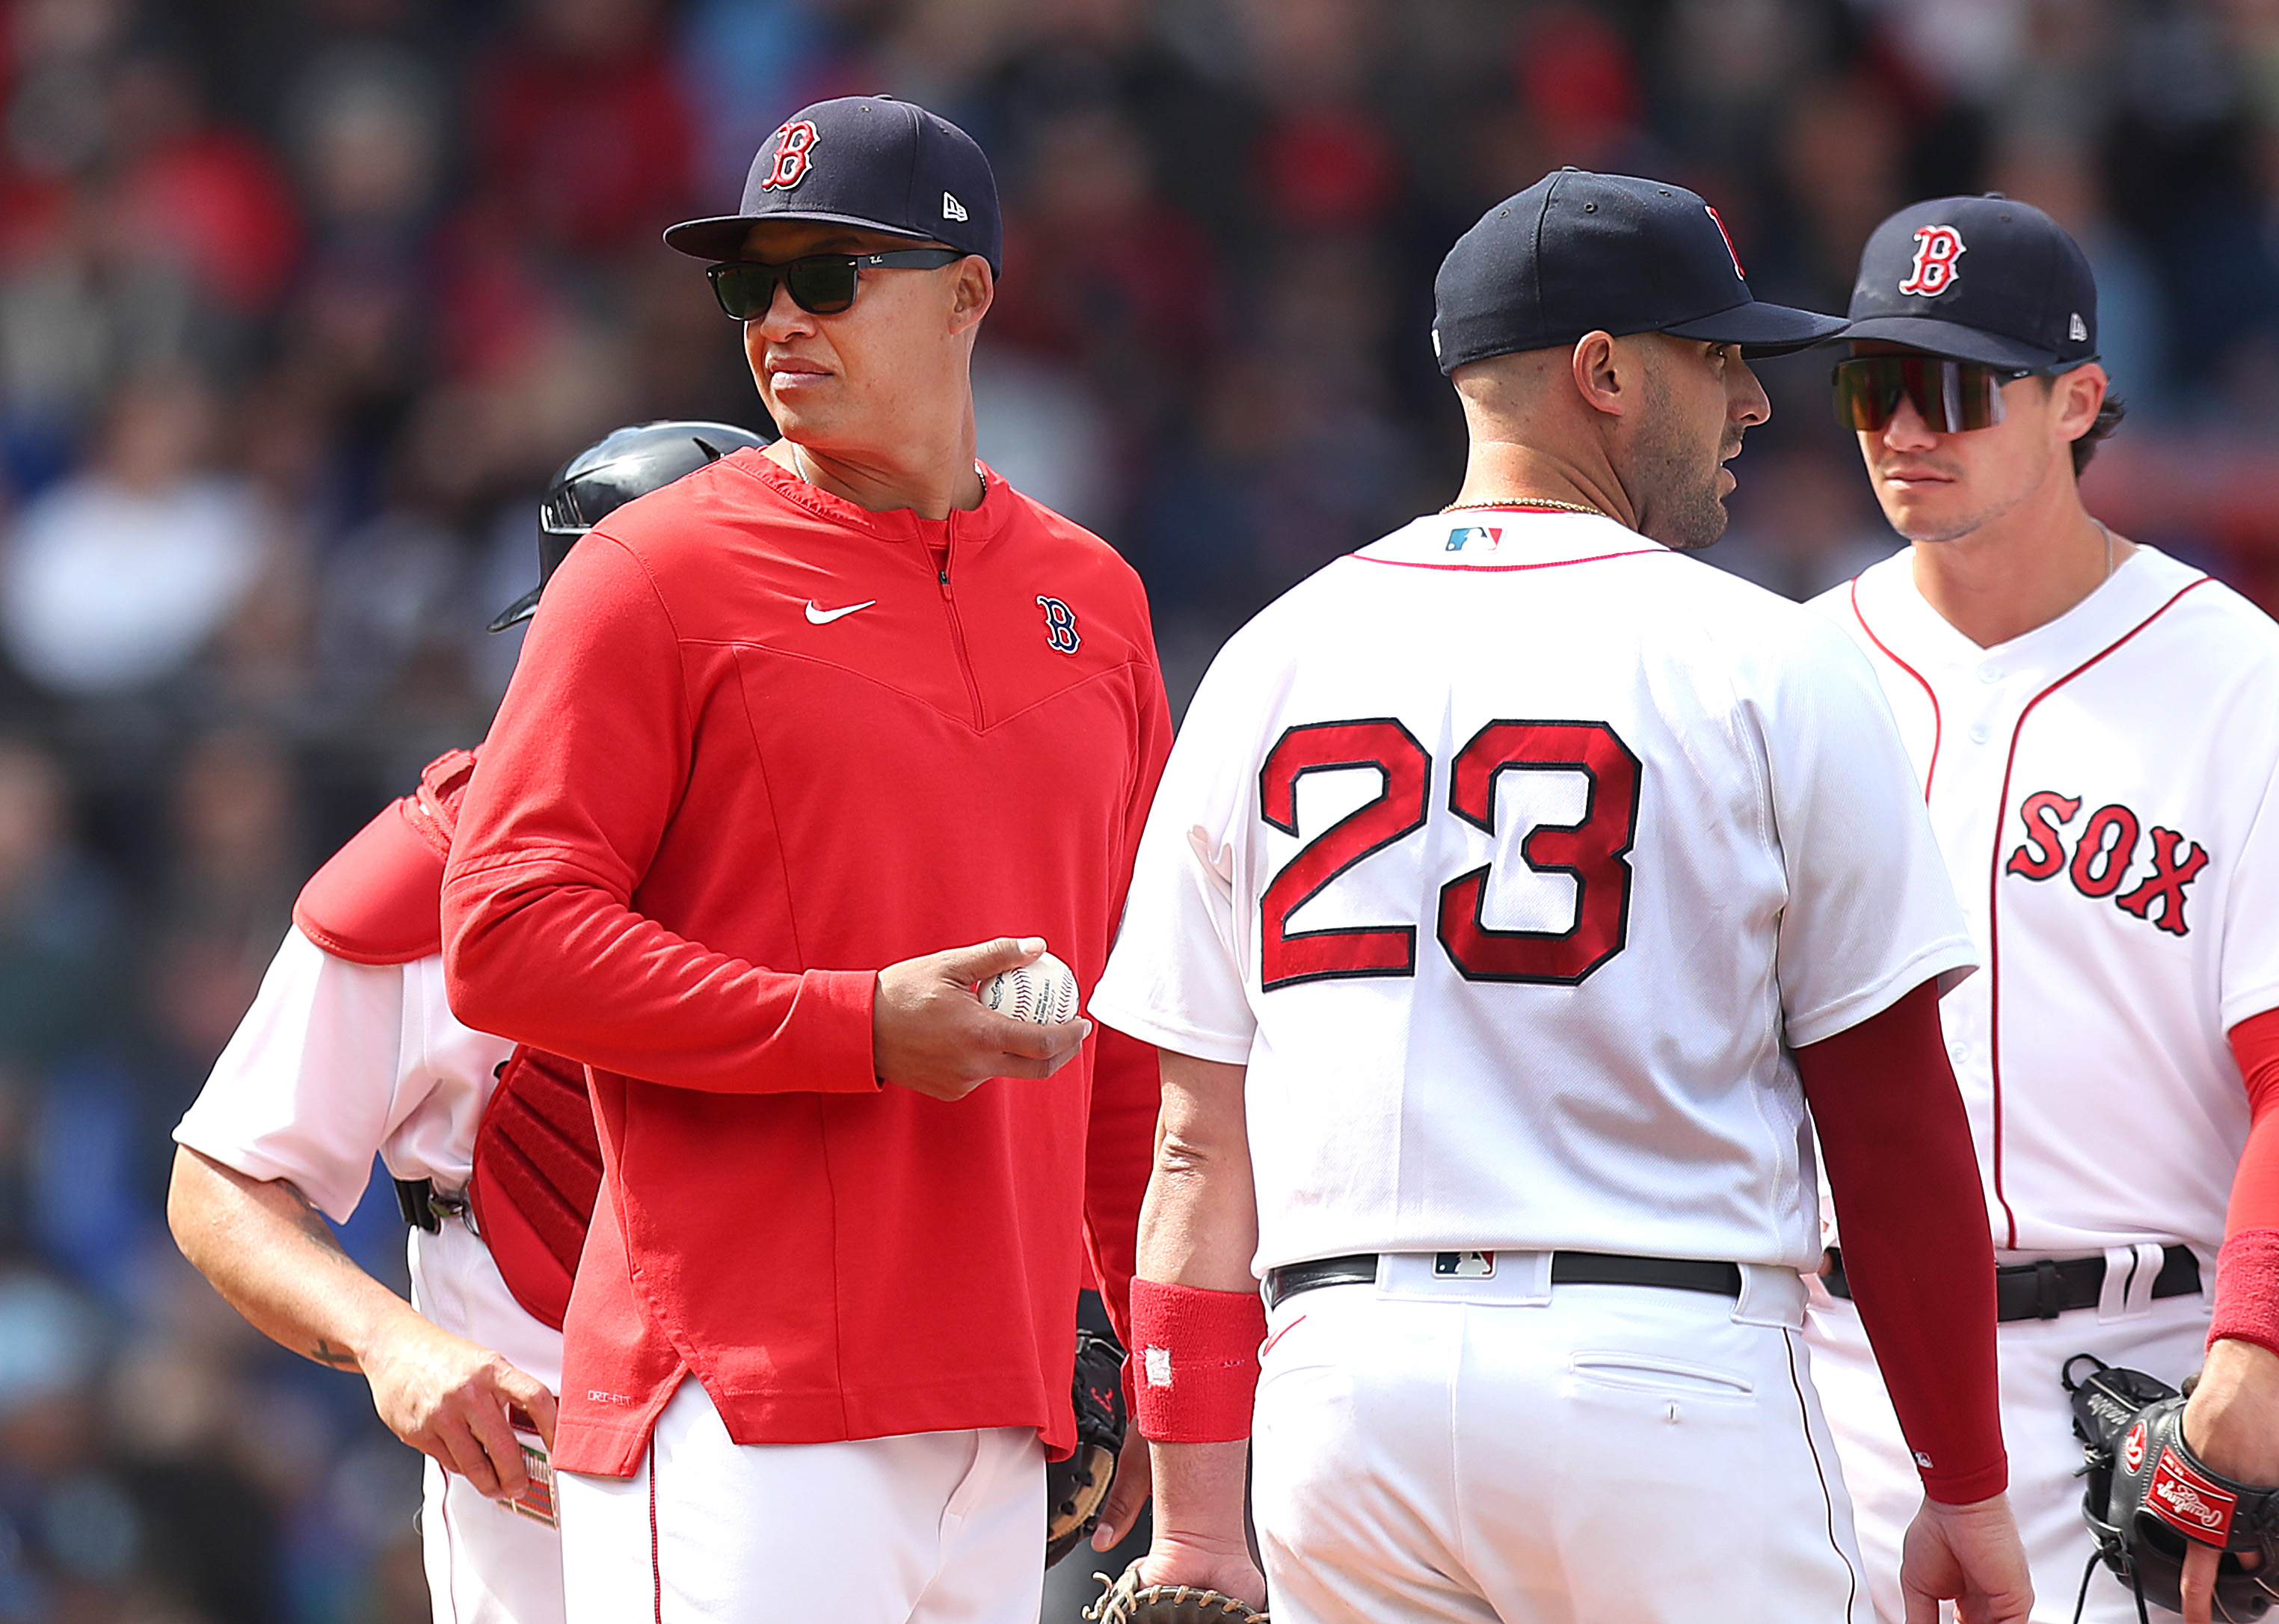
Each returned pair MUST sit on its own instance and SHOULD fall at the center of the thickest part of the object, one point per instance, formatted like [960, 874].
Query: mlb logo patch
[1464, 1265]
[1484, 537]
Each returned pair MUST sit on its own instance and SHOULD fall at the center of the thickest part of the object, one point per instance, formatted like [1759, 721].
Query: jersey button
[1988, 673]
[1978, 735]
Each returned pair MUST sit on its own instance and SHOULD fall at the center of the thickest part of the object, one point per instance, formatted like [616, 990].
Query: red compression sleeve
[2247, 1271]
[1917, 1248]
[2255, 1187]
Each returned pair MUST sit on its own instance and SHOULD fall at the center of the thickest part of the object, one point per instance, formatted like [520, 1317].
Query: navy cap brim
[721, 237]
[1956, 342]
[1763, 329]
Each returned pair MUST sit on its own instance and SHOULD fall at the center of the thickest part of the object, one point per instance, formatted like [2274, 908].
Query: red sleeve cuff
[1967, 1487]
[826, 1033]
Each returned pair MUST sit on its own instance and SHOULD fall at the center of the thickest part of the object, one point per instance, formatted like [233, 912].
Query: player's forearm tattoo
[339, 1359]
[312, 1222]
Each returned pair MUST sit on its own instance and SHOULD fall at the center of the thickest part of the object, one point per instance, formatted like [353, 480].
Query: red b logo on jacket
[1936, 248]
[794, 143]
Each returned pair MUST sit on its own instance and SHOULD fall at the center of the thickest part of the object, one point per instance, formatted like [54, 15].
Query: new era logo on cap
[951, 209]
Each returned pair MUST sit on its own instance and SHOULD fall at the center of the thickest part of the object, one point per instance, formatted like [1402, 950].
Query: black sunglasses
[1951, 396]
[820, 284]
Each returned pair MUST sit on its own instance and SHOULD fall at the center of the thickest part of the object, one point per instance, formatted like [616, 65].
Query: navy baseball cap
[869, 161]
[1978, 278]
[1578, 253]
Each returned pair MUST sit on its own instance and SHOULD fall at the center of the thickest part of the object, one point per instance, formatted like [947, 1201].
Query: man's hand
[447, 1398]
[930, 1034]
[1967, 1554]
[1212, 1564]
[1127, 1494]
[2231, 1423]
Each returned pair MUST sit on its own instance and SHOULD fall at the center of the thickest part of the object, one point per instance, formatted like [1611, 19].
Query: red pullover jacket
[760, 743]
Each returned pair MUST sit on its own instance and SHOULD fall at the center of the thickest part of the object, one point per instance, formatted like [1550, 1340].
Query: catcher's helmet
[623, 464]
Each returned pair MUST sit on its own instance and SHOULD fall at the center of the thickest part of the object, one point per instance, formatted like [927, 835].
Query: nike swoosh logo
[825, 617]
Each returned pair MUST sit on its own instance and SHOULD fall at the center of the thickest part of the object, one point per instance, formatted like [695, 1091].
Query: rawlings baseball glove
[2148, 1493]
[1129, 1600]
[1077, 1487]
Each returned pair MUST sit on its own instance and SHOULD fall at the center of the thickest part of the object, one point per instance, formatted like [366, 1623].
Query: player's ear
[972, 290]
[2079, 395]
[1604, 376]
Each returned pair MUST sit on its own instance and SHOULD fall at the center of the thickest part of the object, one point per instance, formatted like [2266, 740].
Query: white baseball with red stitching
[1044, 992]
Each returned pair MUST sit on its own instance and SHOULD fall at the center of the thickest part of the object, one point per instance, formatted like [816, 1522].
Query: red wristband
[1194, 1361]
[2247, 1289]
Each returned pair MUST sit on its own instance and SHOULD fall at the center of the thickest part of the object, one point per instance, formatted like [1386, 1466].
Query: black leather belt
[2053, 1286]
[425, 1208]
[1567, 1269]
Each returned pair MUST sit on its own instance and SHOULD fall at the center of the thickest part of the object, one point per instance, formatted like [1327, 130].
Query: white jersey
[2105, 788]
[1512, 855]
[337, 1060]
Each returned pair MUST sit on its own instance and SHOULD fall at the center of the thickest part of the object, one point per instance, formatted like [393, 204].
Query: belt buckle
[1464, 1265]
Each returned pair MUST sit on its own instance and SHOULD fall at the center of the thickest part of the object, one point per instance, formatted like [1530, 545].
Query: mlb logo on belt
[1464, 1265]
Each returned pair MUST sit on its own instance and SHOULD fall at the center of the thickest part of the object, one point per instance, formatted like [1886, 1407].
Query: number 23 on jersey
[1592, 851]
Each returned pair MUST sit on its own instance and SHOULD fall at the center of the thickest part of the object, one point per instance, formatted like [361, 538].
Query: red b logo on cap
[794, 142]
[1936, 248]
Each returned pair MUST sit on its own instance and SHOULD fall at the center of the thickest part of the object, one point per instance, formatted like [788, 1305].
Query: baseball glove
[2148, 1493]
[1077, 1487]
[1129, 1600]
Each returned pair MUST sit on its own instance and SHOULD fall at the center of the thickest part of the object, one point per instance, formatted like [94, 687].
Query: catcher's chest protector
[538, 1170]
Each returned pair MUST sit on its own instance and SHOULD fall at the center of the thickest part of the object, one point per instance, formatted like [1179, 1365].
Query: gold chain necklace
[1530, 502]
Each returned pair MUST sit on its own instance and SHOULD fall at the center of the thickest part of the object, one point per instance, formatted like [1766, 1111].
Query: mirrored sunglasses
[1951, 396]
[820, 284]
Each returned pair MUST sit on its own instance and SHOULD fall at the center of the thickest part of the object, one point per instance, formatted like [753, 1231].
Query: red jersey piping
[1994, 896]
[1551, 563]
[1937, 721]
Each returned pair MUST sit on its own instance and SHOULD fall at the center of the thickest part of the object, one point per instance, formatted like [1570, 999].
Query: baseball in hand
[1044, 992]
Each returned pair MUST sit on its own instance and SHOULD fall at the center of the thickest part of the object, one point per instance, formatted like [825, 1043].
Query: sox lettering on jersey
[1934, 271]
[2103, 854]
[794, 155]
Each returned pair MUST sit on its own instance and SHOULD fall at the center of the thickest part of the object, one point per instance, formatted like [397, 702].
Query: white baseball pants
[486, 1563]
[930, 1528]
[1500, 1449]
[2162, 1338]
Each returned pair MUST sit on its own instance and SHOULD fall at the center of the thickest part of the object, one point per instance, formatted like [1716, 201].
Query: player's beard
[1672, 481]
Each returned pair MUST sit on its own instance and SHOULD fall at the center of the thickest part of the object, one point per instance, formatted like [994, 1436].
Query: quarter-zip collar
[974, 527]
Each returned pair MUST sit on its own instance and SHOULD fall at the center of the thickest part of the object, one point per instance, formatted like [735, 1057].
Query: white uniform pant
[486, 1563]
[1497, 1449]
[929, 1527]
[2164, 1340]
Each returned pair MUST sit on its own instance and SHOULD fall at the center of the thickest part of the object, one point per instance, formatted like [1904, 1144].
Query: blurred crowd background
[302, 300]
